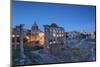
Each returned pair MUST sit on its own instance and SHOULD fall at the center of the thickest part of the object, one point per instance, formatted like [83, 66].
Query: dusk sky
[71, 17]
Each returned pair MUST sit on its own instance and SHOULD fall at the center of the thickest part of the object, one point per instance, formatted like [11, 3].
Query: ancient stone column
[22, 55]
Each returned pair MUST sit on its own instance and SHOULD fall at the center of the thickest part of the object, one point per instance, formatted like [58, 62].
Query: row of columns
[20, 32]
[56, 34]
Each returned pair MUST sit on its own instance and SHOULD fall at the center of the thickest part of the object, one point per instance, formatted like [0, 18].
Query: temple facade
[54, 36]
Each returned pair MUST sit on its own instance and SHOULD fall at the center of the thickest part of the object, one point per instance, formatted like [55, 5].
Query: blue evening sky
[71, 17]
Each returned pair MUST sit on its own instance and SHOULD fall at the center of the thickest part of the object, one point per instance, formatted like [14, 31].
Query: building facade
[35, 37]
[54, 37]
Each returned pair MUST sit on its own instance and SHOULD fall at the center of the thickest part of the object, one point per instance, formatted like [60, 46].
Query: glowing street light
[13, 35]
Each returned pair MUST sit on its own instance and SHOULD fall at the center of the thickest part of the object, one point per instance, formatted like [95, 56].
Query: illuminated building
[54, 36]
[35, 37]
